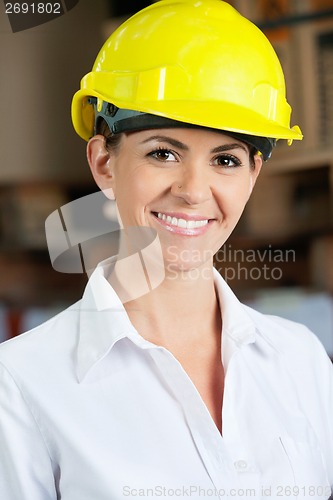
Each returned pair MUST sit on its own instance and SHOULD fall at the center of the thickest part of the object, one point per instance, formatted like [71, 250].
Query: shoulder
[45, 343]
[288, 337]
[302, 355]
[300, 352]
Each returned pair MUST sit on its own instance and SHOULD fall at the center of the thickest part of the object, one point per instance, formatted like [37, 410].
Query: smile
[186, 224]
[189, 226]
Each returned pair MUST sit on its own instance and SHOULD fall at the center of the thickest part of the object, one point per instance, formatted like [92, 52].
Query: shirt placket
[248, 474]
[207, 439]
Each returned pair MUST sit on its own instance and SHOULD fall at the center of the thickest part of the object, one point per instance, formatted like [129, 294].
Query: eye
[163, 155]
[226, 161]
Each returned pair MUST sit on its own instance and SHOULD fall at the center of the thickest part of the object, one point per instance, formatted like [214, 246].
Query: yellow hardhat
[196, 62]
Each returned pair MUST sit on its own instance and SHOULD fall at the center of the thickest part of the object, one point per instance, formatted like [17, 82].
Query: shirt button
[240, 465]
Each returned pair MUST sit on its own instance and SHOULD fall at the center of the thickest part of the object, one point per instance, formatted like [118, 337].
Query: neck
[179, 310]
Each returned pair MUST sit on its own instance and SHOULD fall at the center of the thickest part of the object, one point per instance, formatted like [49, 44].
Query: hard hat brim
[211, 114]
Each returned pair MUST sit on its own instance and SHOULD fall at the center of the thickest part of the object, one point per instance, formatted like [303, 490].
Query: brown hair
[112, 141]
[252, 153]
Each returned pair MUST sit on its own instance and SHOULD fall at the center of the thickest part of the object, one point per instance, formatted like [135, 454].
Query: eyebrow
[180, 145]
[170, 140]
[228, 147]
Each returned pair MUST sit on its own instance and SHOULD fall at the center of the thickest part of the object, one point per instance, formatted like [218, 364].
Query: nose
[192, 185]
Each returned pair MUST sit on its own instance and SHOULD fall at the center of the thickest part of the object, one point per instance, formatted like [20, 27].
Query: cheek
[234, 195]
[132, 197]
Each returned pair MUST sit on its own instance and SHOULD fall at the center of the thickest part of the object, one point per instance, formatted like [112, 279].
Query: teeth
[187, 224]
[200, 223]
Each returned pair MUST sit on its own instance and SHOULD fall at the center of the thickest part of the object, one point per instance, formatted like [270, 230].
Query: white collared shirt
[90, 410]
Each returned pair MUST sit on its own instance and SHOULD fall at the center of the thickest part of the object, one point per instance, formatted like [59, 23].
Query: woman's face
[190, 185]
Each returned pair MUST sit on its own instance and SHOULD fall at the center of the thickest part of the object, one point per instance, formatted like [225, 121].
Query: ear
[255, 172]
[100, 163]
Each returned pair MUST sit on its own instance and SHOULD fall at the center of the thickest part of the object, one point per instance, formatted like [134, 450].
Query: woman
[159, 383]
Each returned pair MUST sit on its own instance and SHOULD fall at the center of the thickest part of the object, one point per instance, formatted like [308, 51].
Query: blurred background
[280, 258]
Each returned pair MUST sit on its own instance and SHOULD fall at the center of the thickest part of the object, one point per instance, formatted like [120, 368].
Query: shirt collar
[237, 323]
[104, 321]
[238, 328]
